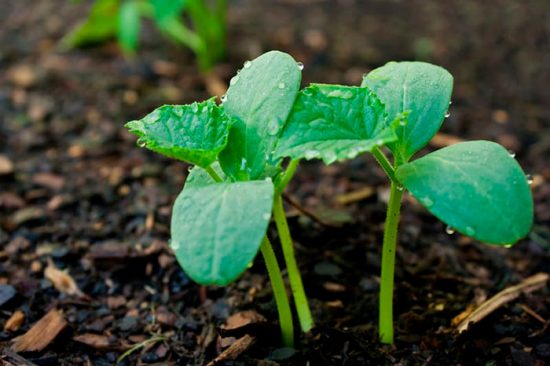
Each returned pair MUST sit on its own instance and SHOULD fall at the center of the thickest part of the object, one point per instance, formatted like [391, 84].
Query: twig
[505, 296]
[304, 211]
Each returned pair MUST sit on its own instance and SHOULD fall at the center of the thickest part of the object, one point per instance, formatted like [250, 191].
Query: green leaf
[193, 133]
[164, 10]
[423, 90]
[100, 26]
[128, 26]
[476, 188]
[217, 229]
[334, 122]
[260, 97]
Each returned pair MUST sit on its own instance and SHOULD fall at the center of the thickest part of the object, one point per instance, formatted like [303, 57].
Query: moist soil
[78, 195]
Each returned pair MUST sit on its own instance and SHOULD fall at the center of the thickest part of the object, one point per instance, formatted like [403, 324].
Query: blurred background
[74, 187]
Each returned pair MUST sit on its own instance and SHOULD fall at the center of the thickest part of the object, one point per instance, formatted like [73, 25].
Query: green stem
[385, 317]
[384, 163]
[213, 174]
[279, 292]
[300, 299]
[287, 176]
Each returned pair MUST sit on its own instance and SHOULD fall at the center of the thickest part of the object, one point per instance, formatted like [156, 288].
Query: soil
[76, 194]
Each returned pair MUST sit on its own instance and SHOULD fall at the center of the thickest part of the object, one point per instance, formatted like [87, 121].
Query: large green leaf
[334, 122]
[421, 89]
[129, 26]
[193, 133]
[217, 229]
[475, 187]
[260, 97]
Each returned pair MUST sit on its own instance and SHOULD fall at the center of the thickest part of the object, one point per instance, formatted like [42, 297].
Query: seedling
[220, 219]
[206, 35]
[477, 187]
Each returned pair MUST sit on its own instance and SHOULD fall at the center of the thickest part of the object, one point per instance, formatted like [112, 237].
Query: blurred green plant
[199, 25]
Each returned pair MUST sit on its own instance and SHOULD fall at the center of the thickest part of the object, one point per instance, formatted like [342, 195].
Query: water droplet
[281, 85]
[224, 98]
[400, 188]
[448, 114]
[470, 231]
[194, 108]
[450, 102]
[141, 143]
[426, 201]
[529, 178]
[511, 153]
[403, 122]
[266, 216]
[365, 75]
[449, 230]
[247, 64]
[508, 245]
[243, 164]
[300, 65]
[268, 179]
[344, 94]
[310, 154]
[273, 127]
[379, 142]
[234, 80]
[330, 157]
[189, 168]
[175, 245]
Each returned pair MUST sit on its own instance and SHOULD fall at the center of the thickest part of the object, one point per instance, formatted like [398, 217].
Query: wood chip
[240, 345]
[10, 358]
[355, 196]
[243, 319]
[505, 296]
[97, 341]
[62, 281]
[15, 321]
[6, 166]
[41, 334]
[443, 139]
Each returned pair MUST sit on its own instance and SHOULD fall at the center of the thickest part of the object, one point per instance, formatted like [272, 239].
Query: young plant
[477, 187]
[122, 19]
[220, 219]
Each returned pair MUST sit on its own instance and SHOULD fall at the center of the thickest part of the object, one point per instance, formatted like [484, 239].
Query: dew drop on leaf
[508, 245]
[194, 108]
[300, 65]
[175, 245]
[449, 230]
[141, 143]
[234, 80]
[470, 231]
[450, 102]
[379, 142]
[247, 64]
[511, 153]
[448, 114]
[223, 98]
[426, 201]
[273, 127]
[529, 178]
[266, 216]
[403, 122]
[281, 85]
[400, 188]
[310, 154]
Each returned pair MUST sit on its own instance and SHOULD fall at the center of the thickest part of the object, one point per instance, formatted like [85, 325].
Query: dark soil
[83, 195]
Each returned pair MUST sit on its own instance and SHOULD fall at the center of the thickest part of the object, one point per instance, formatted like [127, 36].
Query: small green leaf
[476, 188]
[128, 26]
[193, 133]
[260, 98]
[334, 122]
[100, 25]
[421, 89]
[164, 10]
[217, 229]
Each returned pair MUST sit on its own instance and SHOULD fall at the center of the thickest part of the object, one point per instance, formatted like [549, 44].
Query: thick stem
[279, 292]
[300, 299]
[385, 317]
